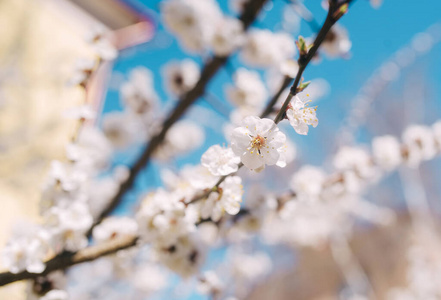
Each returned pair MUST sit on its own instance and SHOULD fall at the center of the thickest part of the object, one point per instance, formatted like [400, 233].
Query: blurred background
[364, 95]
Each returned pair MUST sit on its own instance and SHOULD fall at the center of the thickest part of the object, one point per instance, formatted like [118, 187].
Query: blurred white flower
[69, 226]
[209, 284]
[264, 48]
[420, 144]
[386, 151]
[83, 69]
[228, 36]
[114, 227]
[138, 94]
[259, 142]
[193, 22]
[307, 183]
[26, 250]
[98, 38]
[336, 42]
[180, 77]
[248, 89]
[227, 198]
[55, 295]
[220, 161]
[183, 137]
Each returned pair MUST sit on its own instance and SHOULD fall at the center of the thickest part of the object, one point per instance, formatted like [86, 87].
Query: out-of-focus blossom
[181, 76]
[264, 48]
[114, 227]
[227, 37]
[337, 42]
[386, 151]
[248, 89]
[419, 144]
[220, 161]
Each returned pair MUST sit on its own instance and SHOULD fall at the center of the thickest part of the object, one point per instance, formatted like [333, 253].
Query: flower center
[258, 142]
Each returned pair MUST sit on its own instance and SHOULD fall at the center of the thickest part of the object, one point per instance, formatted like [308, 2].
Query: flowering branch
[67, 259]
[251, 10]
[335, 12]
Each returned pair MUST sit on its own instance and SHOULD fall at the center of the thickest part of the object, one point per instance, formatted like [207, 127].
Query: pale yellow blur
[38, 47]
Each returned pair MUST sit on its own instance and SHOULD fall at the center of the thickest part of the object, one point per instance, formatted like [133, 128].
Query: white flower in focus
[420, 144]
[55, 295]
[300, 116]
[138, 94]
[248, 89]
[264, 48]
[258, 143]
[99, 40]
[209, 284]
[386, 151]
[114, 227]
[220, 161]
[307, 183]
[336, 42]
[180, 77]
[227, 37]
[26, 250]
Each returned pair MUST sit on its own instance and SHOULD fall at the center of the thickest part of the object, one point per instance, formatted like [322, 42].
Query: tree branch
[251, 10]
[67, 259]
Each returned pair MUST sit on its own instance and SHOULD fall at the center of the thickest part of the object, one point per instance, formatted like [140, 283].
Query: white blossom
[259, 142]
[227, 37]
[26, 250]
[420, 144]
[114, 227]
[164, 218]
[300, 116]
[209, 284]
[184, 257]
[194, 22]
[98, 38]
[386, 151]
[308, 182]
[180, 77]
[83, 69]
[182, 138]
[138, 94]
[248, 89]
[220, 161]
[264, 48]
[123, 129]
[226, 199]
[337, 42]
[55, 295]
[69, 226]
